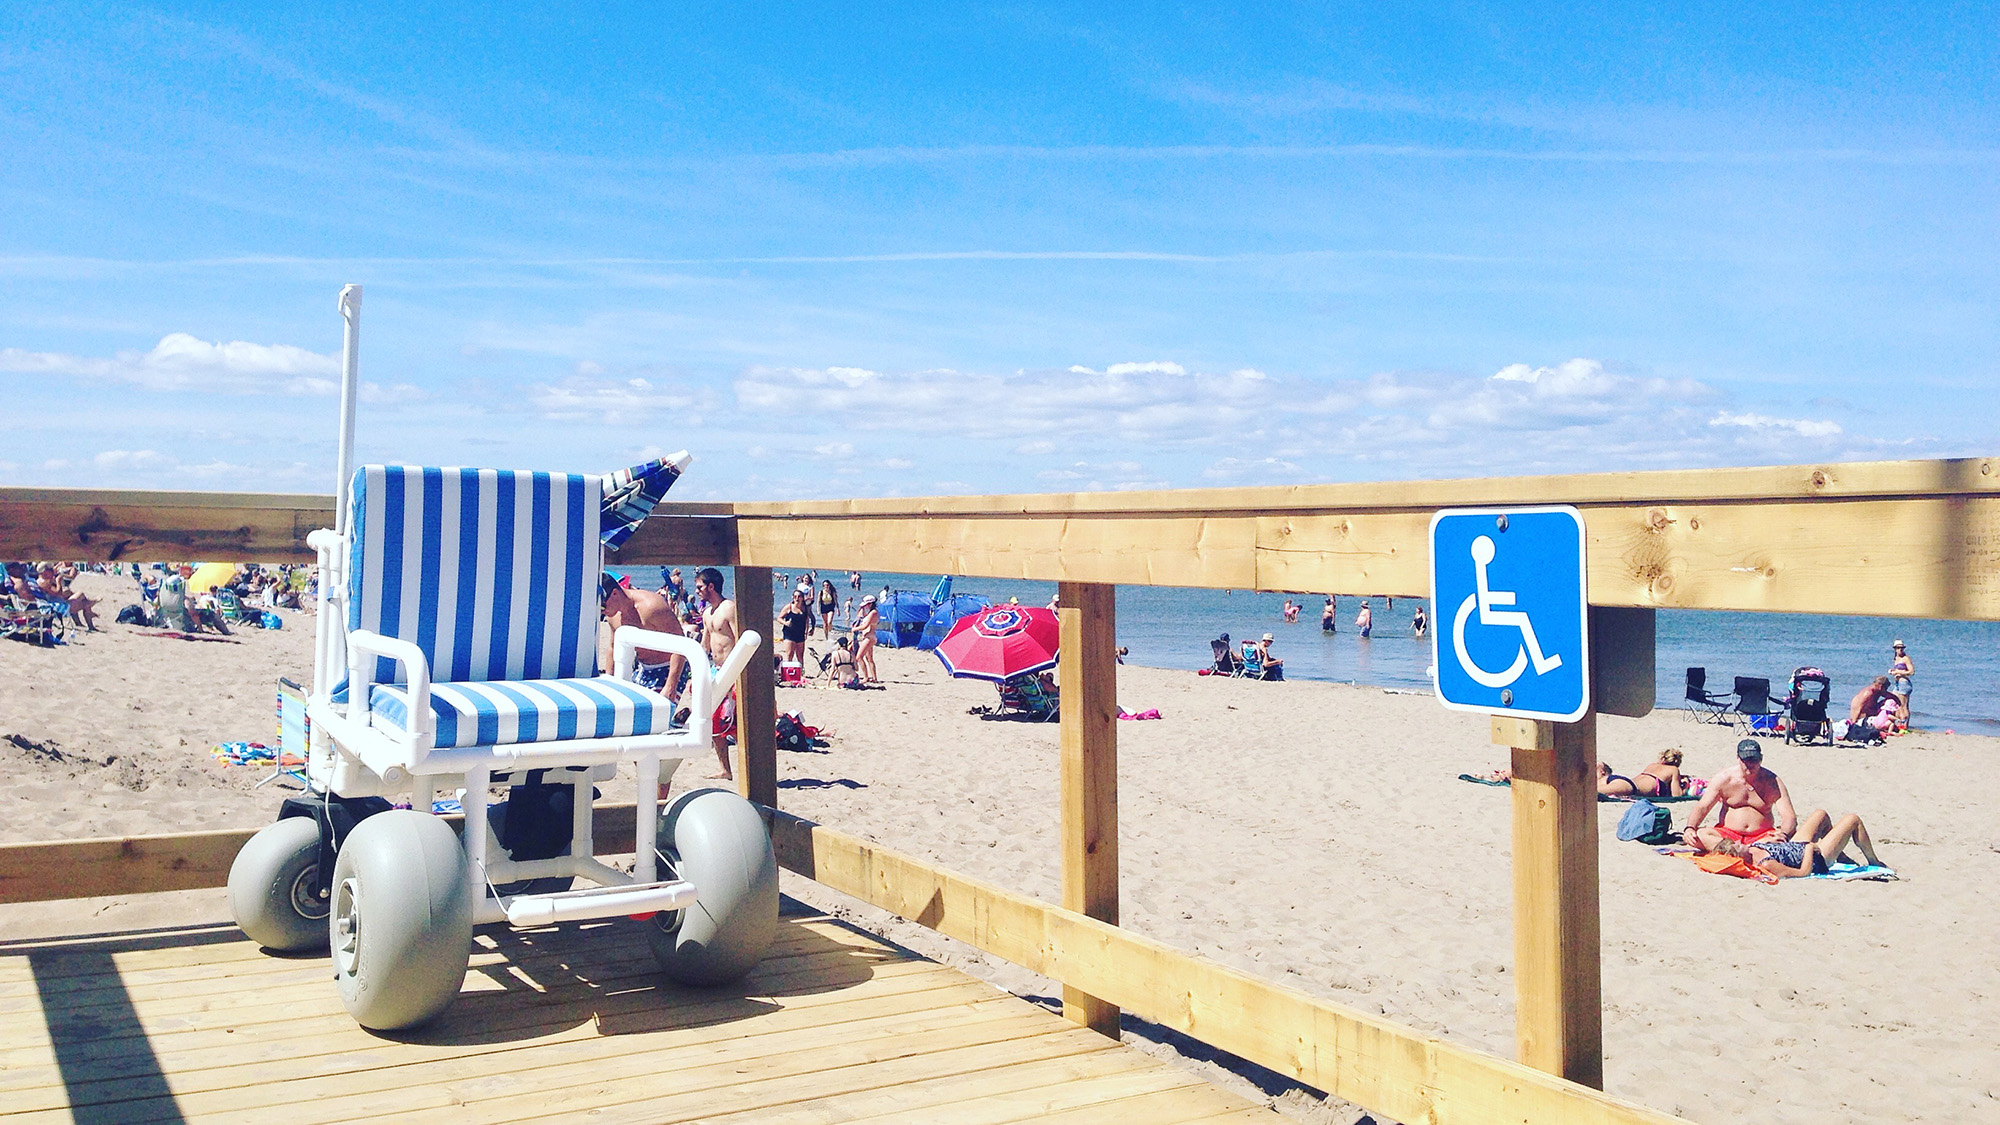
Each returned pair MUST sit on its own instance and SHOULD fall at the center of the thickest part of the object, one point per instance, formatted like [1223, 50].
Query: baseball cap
[1749, 750]
[605, 585]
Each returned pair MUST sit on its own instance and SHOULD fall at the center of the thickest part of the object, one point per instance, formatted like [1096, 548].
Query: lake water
[1958, 662]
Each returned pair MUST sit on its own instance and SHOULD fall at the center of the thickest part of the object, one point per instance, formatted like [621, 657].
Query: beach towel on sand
[1870, 872]
[1715, 863]
[1656, 800]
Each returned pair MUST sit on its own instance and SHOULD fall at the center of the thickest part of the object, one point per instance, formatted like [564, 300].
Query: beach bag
[792, 735]
[273, 621]
[1647, 823]
[132, 615]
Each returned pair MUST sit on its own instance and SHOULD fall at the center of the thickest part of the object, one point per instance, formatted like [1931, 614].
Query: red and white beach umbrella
[1001, 642]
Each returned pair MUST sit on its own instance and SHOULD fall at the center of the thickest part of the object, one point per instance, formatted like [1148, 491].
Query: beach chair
[457, 651]
[1752, 711]
[294, 735]
[1226, 663]
[1805, 708]
[1025, 695]
[175, 613]
[1701, 705]
[37, 621]
[1250, 665]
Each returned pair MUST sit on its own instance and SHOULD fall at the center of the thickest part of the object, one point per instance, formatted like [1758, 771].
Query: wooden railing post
[1558, 988]
[756, 765]
[1088, 679]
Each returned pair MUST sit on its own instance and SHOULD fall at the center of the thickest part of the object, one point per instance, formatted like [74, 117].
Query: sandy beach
[1315, 834]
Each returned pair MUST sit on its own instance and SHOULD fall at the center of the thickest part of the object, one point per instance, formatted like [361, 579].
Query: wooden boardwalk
[569, 1023]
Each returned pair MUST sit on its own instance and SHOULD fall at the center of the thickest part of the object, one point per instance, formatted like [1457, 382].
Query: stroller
[1805, 708]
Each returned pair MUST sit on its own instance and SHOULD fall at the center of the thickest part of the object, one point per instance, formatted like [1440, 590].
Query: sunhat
[1895, 644]
[869, 600]
[1269, 637]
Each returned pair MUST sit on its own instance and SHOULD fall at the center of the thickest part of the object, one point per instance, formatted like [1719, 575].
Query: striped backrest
[492, 573]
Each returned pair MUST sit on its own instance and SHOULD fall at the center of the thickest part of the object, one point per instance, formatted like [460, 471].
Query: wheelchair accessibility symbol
[1514, 583]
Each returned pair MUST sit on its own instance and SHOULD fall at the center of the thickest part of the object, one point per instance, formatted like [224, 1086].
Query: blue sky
[1019, 248]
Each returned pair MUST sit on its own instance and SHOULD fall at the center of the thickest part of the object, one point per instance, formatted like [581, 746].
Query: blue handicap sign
[1510, 607]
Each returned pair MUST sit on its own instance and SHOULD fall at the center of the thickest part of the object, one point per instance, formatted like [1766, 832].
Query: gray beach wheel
[716, 840]
[401, 919]
[274, 887]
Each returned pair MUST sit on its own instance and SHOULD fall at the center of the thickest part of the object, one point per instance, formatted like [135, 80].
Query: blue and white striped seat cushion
[492, 573]
[506, 714]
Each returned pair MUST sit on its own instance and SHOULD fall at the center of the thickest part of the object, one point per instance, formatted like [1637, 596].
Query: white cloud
[1800, 426]
[898, 463]
[834, 450]
[180, 362]
[1128, 402]
[619, 401]
[1156, 367]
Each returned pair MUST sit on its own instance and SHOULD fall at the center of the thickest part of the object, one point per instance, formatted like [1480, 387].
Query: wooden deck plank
[331, 1046]
[1029, 1091]
[291, 1014]
[764, 1085]
[552, 1024]
[1196, 1101]
[657, 1006]
[119, 976]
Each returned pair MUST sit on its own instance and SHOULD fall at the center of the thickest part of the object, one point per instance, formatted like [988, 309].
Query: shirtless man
[718, 635]
[1755, 805]
[660, 671]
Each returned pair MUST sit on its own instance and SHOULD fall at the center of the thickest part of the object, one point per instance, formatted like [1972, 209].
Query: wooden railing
[1913, 539]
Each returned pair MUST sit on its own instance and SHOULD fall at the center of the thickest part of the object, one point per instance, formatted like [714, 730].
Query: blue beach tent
[902, 619]
[947, 613]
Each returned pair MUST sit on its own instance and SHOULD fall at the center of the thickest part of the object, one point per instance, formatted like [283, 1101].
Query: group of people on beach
[1755, 822]
[1758, 825]
[1364, 618]
[31, 584]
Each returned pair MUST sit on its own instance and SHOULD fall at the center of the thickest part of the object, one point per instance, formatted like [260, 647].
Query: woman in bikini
[829, 604]
[1661, 779]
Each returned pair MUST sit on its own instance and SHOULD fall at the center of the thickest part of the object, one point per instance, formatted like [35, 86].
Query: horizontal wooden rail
[1899, 538]
[128, 865]
[1896, 558]
[1375, 1063]
[1848, 480]
[102, 525]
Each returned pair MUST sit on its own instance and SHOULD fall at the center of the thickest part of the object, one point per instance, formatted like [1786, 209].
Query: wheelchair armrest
[629, 639]
[737, 660]
[362, 647]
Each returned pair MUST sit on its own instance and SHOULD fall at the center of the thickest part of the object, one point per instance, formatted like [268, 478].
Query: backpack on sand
[1647, 823]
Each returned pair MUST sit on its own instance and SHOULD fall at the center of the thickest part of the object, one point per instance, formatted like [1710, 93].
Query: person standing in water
[1326, 617]
[1365, 620]
[1419, 623]
[1902, 670]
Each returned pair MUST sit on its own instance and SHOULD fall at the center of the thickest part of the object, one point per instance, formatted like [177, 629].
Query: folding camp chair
[1701, 705]
[1025, 695]
[1752, 710]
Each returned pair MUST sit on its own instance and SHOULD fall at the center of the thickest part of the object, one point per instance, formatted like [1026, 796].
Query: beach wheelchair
[457, 652]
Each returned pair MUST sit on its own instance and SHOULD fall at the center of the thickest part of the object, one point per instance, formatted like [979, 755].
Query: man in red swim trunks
[719, 630]
[1755, 805]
